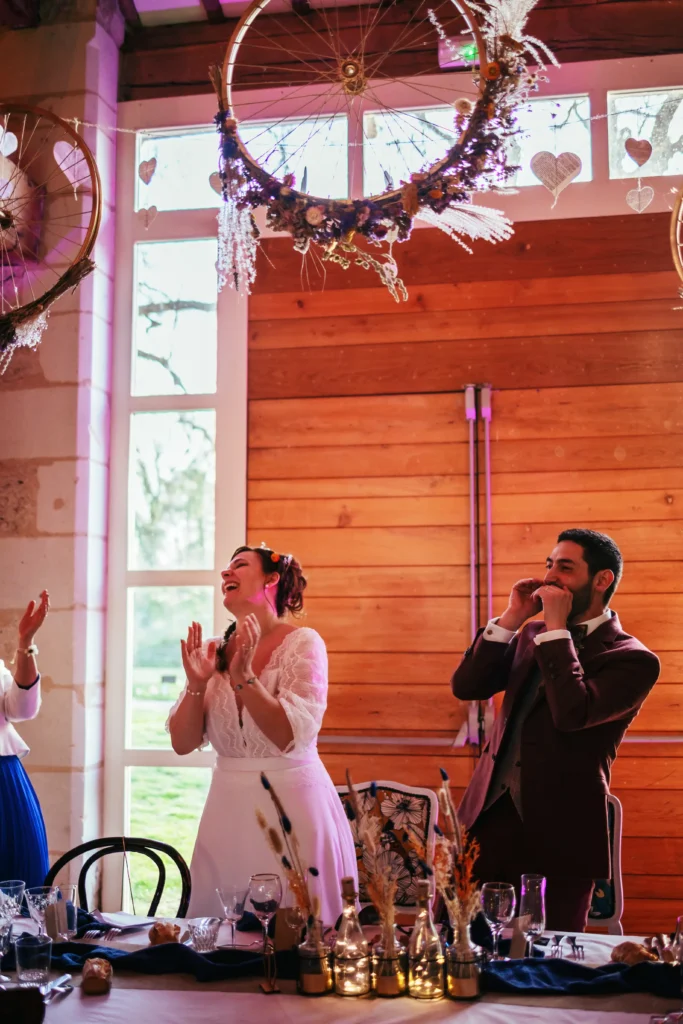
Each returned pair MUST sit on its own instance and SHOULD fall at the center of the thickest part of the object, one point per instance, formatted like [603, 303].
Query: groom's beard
[581, 600]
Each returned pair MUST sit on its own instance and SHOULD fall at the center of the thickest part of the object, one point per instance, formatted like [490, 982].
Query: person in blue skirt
[23, 842]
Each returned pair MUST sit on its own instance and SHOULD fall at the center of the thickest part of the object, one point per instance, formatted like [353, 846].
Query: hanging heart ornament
[640, 150]
[71, 162]
[216, 183]
[556, 172]
[8, 143]
[640, 198]
[147, 215]
[146, 170]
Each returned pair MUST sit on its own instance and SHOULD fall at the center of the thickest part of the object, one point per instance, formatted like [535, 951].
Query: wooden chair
[123, 844]
[398, 806]
[608, 896]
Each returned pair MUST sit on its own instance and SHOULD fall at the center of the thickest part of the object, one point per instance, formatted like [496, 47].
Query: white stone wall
[54, 444]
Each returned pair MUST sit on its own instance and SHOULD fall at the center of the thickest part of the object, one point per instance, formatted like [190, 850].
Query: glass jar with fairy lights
[425, 953]
[351, 955]
[389, 964]
[315, 962]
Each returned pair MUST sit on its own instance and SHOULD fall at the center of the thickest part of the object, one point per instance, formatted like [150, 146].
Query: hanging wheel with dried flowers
[367, 75]
[50, 209]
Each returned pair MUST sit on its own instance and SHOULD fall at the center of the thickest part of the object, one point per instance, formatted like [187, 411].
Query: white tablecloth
[132, 1005]
[179, 999]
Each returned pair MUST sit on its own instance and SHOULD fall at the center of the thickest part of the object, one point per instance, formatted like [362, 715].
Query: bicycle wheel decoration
[422, 162]
[676, 237]
[50, 208]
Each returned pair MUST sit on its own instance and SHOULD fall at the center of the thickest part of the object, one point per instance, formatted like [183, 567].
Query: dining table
[181, 999]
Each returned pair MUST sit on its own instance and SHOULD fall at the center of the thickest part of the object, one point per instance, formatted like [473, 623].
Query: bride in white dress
[258, 695]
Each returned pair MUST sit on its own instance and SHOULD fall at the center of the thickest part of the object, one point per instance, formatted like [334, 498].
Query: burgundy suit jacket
[570, 736]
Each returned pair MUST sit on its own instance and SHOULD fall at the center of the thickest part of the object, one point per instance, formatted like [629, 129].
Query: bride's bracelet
[194, 693]
[240, 686]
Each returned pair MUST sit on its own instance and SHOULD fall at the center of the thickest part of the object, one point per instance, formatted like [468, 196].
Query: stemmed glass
[532, 908]
[232, 899]
[498, 902]
[11, 897]
[39, 898]
[265, 895]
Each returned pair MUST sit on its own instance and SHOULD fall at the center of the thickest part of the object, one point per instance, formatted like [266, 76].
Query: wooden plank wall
[358, 463]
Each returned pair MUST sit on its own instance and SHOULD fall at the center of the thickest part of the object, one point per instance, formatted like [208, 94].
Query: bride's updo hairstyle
[289, 593]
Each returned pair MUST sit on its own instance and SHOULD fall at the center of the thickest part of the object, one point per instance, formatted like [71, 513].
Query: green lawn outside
[166, 804]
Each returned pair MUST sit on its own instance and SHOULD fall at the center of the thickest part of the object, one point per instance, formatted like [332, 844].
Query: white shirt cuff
[553, 634]
[497, 634]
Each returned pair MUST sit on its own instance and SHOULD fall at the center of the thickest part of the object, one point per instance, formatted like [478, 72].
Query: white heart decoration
[147, 215]
[640, 150]
[72, 162]
[640, 198]
[556, 172]
[8, 143]
[216, 183]
[146, 170]
[6, 188]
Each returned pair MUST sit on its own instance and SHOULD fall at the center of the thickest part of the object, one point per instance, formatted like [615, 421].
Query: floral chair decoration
[399, 810]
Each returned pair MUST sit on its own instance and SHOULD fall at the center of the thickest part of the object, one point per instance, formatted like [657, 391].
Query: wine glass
[39, 898]
[265, 894]
[498, 902]
[11, 898]
[232, 898]
[532, 908]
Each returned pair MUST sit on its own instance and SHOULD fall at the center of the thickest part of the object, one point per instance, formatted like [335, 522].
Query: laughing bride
[258, 695]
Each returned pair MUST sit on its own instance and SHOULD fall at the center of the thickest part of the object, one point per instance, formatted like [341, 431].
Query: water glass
[232, 898]
[33, 954]
[498, 902]
[68, 896]
[11, 898]
[39, 898]
[532, 908]
[204, 933]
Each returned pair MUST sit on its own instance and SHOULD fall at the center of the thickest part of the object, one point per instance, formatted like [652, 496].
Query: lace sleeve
[302, 688]
[205, 738]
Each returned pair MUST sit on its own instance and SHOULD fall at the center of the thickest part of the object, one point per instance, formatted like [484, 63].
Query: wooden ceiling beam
[173, 60]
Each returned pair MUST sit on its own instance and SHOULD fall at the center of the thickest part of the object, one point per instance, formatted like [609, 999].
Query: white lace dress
[230, 845]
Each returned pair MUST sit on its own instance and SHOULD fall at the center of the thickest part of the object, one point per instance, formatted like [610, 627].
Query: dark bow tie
[578, 634]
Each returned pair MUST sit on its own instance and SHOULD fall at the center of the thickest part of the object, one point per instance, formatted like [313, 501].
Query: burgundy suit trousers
[506, 855]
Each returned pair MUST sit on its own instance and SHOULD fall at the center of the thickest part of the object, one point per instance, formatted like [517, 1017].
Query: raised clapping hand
[557, 605]
[199, 664]
[524, 602]
[33, 618]
[246, 641]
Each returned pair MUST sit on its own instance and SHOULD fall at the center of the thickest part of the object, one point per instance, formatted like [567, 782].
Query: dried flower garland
[475, 163]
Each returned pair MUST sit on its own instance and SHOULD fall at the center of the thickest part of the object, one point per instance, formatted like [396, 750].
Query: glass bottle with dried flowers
[389, 960]
[315, 966]
[455, 854]
[315, 962]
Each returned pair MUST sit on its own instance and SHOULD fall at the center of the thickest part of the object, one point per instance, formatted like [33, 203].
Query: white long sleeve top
[17, 704]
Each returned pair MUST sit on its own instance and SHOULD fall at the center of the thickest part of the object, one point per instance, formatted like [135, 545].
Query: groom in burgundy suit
[573, 684]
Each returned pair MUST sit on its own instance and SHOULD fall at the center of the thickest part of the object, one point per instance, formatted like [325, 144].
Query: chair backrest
[125, 844]
[398, 808]
[607, 905]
